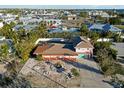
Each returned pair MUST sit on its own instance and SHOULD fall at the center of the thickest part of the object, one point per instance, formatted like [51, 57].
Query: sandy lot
[42, 74]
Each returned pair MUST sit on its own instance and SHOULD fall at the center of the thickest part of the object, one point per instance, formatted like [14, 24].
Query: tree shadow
[110, 83]
[83, 66]
[121, 60]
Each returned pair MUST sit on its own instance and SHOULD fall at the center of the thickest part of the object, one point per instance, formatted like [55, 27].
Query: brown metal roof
[41, 48]
[83, 44]
[57, 49]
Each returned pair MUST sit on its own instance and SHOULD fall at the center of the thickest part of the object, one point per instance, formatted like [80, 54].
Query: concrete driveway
[91, 76]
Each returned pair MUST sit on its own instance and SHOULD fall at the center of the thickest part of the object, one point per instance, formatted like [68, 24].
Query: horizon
[63, 6]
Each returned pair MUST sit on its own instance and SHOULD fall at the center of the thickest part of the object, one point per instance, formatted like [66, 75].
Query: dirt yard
[44, 74]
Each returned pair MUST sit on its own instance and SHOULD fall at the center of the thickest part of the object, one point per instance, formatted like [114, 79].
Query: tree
[107, 35]
[117, 38]
[83, 14]
[14, 82]
[115, 21]
[101, 45]
[7, 30]
[4, 51]
[75, 72]
[94, 36]
[106, 57]
[39, 57]
[84, 30]
[105, 61]
[41, 30]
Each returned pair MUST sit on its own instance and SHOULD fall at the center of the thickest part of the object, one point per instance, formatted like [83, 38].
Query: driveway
[91, 76]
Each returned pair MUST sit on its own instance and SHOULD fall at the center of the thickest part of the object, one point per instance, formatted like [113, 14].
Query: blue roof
[106, 27]
[103, 27]
[26, 27]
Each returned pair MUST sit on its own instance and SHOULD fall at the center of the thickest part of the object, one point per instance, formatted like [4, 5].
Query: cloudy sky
[65, 6]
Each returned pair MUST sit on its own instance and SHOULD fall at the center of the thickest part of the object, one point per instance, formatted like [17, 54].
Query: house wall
[104, 40]
[71, 18]
[86, 51]
[57, 57]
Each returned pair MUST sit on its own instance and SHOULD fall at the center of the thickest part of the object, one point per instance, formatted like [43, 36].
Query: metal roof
[103, 27]
[26, 27]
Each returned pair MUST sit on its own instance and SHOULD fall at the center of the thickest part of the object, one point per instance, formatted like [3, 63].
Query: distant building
[9, 20]
[100, 13]
[105, 40]
[60, 30]
[72, 17]
[106, 15]
[25, 27]
[103, 28]
[29, 20]
[53, 22]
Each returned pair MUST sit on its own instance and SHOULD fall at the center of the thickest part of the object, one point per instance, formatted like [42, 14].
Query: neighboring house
[105, 40]
[106, 15]
[100, 13]
[6, 16]
[59, 30]
[95, 13]
[29, 20]
[11, 16]
[83, 47]
[104, 28]
[9, 20]
[72, 17]
[69, 50]
[25, 27]
[52, 22]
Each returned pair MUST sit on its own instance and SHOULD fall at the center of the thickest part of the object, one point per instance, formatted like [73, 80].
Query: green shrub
[75, 72]
[39, 57]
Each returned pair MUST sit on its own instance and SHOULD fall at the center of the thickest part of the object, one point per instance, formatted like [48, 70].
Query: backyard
[61, 73]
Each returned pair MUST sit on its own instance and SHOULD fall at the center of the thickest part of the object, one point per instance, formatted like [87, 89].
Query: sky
[65, 6]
